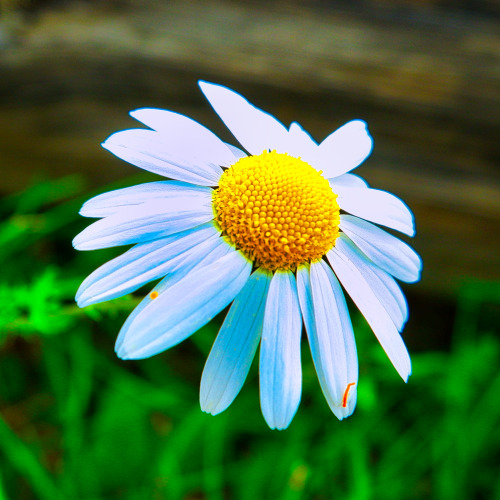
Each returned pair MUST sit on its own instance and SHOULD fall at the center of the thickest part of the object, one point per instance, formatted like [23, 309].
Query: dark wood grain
[427, 84]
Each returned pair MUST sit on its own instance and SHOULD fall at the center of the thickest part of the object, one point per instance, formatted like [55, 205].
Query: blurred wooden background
[424, 74]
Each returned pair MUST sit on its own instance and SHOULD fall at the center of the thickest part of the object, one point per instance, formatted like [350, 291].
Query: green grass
[78, 423]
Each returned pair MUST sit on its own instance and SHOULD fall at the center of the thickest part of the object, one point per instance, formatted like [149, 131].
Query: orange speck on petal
[153, 295]
[346, 394]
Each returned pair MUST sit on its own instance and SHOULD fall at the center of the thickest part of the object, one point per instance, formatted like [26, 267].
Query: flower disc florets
[277, 209]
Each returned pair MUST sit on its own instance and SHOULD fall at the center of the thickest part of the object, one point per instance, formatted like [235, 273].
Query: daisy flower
[274, 230]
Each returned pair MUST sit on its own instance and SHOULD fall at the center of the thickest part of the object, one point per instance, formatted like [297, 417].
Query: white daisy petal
[186, 133]
[145, 262]
[163, 155]
[145, 302]
[234, 348]
[375, 313]
[280, 369]
[151, 220]
[347, 181]
[183, 308]
[330, 335]
[301, 144]
[385, 250]
[189, 137]
[237, 152]
[383, 285]
[344, 149]
[110, 203]
[193, 263]
[377, 206]
[195, 260]
[256, 130]
[395, 296]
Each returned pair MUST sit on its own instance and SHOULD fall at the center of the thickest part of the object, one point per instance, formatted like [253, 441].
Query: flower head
[274, 233]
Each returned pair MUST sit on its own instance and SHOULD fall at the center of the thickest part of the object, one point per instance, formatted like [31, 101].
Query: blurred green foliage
[77, 423]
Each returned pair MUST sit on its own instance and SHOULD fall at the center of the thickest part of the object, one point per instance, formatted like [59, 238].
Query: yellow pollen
[153, 295]
[277, 209]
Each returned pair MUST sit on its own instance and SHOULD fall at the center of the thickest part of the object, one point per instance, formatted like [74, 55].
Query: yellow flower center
[277, 209]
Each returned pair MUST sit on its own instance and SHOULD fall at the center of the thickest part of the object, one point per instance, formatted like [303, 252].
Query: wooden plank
[428, 87]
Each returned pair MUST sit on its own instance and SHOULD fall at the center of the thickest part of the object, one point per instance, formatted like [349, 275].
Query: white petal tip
[122, 349]
[78, 244]
[135, 112]
[82, 244]
[122, 353]
[211, 409]
[404, 372]
[277, 427]
[357, 126]
[143, 114]
[278, 423]
[204, 84]
[212, 406]
[81, 302]
[138, 113]
[126, 353]
[342, 413]
[346, 407]
[361, 124]
[107, 144]
[415, 278]
[209, 88]
[84, 299]
[111, 141]
[403, 366]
